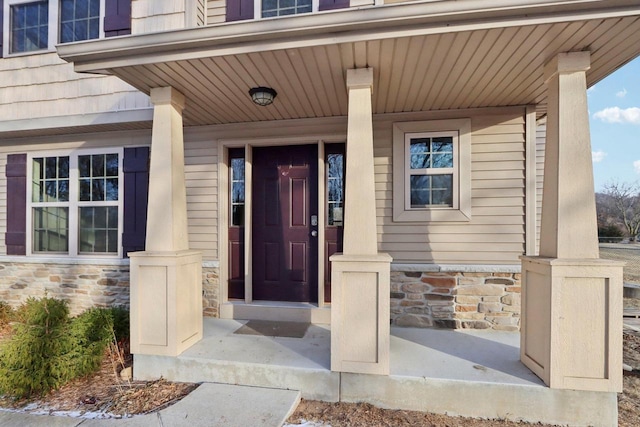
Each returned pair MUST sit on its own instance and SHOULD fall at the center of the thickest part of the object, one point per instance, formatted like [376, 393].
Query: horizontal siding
[495, 233]
[36, 86]
[201, 175]
[216, 12]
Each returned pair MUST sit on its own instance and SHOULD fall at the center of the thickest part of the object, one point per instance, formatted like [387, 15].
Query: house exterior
[396, 177]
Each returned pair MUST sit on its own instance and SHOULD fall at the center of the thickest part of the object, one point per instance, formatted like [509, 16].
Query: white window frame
[257, 10]
[54, 27]
[74, 203]
[403, 132]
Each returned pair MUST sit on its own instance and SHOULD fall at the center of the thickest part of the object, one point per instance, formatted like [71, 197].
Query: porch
[458, 372]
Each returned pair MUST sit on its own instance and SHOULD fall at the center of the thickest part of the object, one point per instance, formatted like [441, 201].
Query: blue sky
[614, 111]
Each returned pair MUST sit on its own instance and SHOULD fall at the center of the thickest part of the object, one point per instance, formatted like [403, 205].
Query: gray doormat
[269, 328]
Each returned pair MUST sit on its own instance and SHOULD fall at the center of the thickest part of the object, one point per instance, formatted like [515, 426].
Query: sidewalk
[209, 405]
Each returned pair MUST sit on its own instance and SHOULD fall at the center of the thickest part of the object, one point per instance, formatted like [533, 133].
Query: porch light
[262, 95]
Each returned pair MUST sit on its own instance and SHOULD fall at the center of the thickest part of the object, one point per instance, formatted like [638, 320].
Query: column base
[166, 302]
[360, 313]
[571, 329]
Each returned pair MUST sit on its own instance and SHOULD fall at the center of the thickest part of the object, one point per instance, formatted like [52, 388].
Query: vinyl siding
[150, 16]
[44, 85]
[216, 11]
[495, 233]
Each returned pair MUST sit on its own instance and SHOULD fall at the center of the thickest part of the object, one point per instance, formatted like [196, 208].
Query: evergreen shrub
[48, 348]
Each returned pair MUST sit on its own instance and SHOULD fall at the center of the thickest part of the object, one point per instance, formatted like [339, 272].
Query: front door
[285, 224]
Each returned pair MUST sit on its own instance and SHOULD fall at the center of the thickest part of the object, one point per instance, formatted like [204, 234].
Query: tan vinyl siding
[541, 130]
[44, 85]
[201, 175]
[495, 233]
[150, 16]
[216, 11]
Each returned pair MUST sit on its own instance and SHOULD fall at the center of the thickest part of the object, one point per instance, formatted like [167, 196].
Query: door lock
[314, 233]
[314, 220]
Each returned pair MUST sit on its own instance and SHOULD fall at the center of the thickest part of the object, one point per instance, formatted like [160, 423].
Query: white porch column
[166, 279]
[360, 276]
[571, 331]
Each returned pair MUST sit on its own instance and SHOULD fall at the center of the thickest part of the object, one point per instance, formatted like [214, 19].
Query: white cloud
[636, 166]
[619, 115]
[598, 156]
[622, 93]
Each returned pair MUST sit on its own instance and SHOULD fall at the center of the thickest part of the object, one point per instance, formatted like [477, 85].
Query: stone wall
[84, 285]
[456, 299]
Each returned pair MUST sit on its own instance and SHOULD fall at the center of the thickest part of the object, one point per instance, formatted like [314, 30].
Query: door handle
[314, 233]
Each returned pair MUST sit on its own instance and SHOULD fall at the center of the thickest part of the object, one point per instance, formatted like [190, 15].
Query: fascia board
[323, 28]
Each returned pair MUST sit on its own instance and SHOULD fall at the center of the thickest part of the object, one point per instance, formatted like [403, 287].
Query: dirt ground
[106, 394]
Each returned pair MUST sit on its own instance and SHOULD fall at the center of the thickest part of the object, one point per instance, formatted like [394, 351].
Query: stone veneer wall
[84, 285]
[456, 299]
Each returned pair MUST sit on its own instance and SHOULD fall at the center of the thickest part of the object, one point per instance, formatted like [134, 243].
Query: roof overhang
[493, 49]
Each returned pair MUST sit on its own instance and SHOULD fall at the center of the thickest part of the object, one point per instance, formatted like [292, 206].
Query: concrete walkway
[209, 405]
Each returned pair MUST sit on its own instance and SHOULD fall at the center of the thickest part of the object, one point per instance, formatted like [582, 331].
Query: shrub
[7, 314]
[30, 362]
[48, 348]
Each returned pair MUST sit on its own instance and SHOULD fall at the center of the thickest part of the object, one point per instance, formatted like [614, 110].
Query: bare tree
[625, 198]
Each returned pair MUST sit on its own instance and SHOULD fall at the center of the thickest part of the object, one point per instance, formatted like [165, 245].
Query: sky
[614, 119]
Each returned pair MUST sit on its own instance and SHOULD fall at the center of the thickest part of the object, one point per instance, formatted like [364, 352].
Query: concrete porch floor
[468, 373]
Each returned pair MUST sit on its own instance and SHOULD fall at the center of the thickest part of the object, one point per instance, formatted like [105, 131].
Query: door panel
[285, 254]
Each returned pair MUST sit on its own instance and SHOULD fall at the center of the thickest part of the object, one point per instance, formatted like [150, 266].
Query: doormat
[273, 329]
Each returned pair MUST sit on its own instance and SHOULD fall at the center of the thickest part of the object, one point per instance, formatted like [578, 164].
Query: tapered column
[360, 276]
[167, 191]
[571, 328]
[568, 228]
[360, 234]
[166, 279]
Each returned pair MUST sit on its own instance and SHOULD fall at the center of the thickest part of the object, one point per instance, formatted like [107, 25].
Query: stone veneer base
[422, 295]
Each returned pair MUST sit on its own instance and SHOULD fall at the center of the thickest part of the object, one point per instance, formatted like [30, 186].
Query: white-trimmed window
[75, 203]
[37, 26]
[431, 170]
[285, 7]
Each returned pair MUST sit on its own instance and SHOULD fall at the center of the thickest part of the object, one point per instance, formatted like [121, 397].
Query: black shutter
[16, 235]
[332, 4]
[136, 195]
[1, 27]
[238, 10]
[117, 17]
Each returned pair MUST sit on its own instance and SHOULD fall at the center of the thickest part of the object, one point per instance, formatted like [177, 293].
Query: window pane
[97, 165]
[237, 215]
[112, 164]
[84, 165]
[97, 189]
[98, 230]
[50, 229]
[37, 172]
[335, 188]
[434, 190]
[285, 7]
[80, 20]
[237, 166]
[85, 190]
[442, 160]
[237, 189]
[29, 26]
[63, 167]
[112, 189]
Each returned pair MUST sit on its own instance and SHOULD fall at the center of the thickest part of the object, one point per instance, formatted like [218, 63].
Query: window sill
[40, 259]
[431, 215]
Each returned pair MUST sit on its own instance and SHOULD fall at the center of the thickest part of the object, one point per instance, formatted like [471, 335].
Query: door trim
[228, 310]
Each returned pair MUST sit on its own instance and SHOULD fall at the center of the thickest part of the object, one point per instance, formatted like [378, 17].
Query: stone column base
[166, 302]
[571, 331]
[360, 302]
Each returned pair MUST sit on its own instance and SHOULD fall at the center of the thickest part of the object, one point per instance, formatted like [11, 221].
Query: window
[285, 7]
[431, 170]
[335, 188]
[29, 26]
[79, 20]
[75, 203]
[38, 25]
[236, 178]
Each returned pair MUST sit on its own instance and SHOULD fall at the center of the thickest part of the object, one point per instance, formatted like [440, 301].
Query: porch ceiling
[483, 67]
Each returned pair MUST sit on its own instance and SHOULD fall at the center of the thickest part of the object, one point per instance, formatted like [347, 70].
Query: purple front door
[284, 223]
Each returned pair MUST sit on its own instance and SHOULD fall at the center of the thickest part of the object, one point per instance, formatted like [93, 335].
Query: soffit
[481, 68]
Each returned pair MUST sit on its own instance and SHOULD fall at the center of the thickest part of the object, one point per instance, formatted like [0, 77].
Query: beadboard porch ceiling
[432, 68]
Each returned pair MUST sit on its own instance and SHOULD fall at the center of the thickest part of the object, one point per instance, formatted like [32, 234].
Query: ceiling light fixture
[262, 95]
